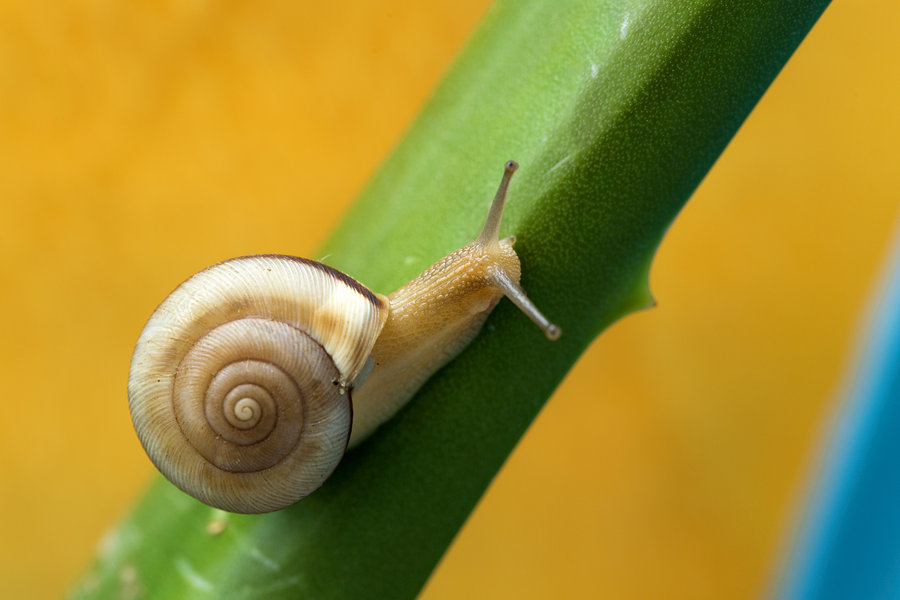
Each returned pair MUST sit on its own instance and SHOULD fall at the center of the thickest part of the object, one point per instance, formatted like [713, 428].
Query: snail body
[241, 381]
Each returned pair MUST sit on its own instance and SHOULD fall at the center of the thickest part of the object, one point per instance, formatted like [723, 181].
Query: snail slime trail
[240, 383]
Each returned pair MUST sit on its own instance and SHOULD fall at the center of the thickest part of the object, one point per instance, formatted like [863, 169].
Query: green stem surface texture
[615, 111]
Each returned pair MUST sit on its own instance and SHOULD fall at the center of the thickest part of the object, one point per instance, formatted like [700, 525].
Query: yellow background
[142, 141]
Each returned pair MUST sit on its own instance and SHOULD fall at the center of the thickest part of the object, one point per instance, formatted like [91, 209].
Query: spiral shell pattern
[238, 384]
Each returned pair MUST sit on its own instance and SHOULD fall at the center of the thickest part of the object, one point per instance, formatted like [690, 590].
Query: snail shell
[248, 409]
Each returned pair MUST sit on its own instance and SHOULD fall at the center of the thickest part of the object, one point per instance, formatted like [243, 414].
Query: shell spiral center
[239, 392]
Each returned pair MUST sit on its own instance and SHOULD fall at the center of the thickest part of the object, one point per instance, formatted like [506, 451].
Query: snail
[241, 381]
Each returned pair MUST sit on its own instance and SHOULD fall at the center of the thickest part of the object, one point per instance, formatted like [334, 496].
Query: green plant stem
[615, 111]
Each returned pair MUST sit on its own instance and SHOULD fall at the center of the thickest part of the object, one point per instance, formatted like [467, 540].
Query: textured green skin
[613, 134]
